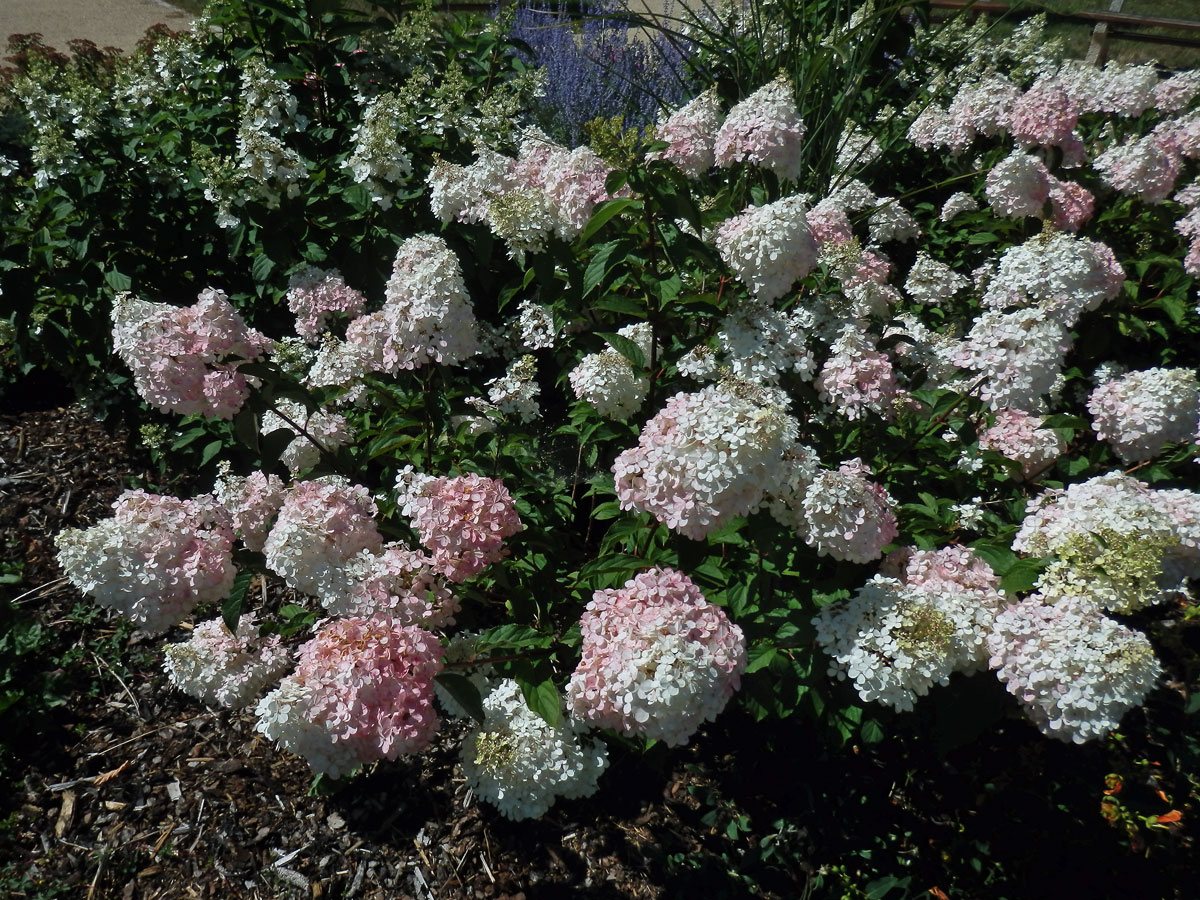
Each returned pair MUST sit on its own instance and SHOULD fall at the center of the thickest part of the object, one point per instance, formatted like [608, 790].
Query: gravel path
[108, 23]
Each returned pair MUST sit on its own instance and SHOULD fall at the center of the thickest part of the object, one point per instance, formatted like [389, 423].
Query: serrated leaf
[542, 697]
[235, 603]
[627, 348]
[598, 265]
[464, 691]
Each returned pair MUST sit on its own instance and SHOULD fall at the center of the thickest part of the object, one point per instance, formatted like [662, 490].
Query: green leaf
[210, 450]
[542, 697]
[117, 281]
[598, 266]
[871, 731]
[627, 348]
[603, 213]
[463, 690]
[235, 604]
[1023, 575]
[262, 267]
[760, 657]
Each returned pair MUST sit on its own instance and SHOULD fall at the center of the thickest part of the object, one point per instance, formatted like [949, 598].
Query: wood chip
[66, 814]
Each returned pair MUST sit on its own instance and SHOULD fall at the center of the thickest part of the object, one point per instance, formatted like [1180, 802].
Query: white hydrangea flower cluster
[1109, 538]
[427, 315]
[895, 641]
[1142, 412]
[760, 342]
[769, 247]
[154, 560]
[322, 525]
[608, 382]
[281, 718]
[251, 501]
[535, 325]
[315, 432]
[1118, 89]
[515, 392]
[1057, 272]
[1018, 186]
[764, 129]
[224, 669]
[1018, 355]
[840, 512]
[461, 193]
[930, 281]
[956, 204]
[1182, 509]
[268, 116]
[657, 659]
[521, 765]
[1075, 671]
[705, 459]
[546, 190]
[379, 162]
[362, 691]
[890, 221]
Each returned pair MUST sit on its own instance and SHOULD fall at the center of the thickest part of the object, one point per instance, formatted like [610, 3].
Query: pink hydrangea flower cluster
[857, 378]
[1175, 93]
[765, 130]
[154, 560]
[400, 582]
[1147, 167]
[1075, 671]
[321, 526]
[1019, 436]
[185, 359]
[226, 669]
[314, 294]
[951, 568]
[769, 247]
[427, 316]
[252, 502]
[706, 458]
[1045, 114]
[1140, 413]
[363, 691]
[657, 659]
[464, 522]
[691, 134]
